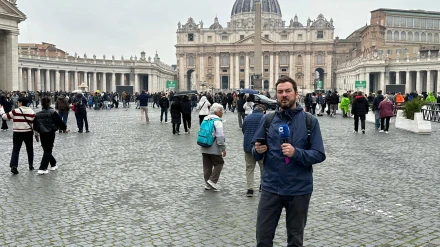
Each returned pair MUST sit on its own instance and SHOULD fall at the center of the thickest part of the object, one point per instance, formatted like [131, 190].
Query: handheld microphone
[284, 133]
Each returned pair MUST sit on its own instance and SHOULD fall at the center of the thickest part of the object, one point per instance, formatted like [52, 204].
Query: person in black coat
[176, 115]
[7, 106]
[359, 109]
[186, 114]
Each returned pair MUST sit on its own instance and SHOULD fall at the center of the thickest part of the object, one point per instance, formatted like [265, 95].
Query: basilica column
[408, 83]
[66, 81]
[232, 82]
[419, 84]
[57, 81]
[246, 71]
[428, 81]
[94, 82]
[277, 66]
[104, 82]
[382, 81]
[38, 84]
[202, 74]
[271, 75]
[20, 78]
[29, 79]
[113, 83]
[47, 81]
[136, 84]
[217, 71]
[122, 82]
[291, 65]
[237, 70]
[75, 80]
[398, 78]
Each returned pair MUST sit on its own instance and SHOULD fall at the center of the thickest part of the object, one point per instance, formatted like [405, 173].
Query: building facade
[46, 68]
[398, 47]
[10, 17]
[218, 57]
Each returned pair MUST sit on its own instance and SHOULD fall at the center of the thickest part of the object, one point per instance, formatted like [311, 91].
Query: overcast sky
[127, 27]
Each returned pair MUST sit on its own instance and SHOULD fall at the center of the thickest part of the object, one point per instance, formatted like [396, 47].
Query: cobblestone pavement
[133, 184]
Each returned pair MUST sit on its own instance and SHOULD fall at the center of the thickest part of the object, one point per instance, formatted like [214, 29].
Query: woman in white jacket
[203, 108]
[248, 106]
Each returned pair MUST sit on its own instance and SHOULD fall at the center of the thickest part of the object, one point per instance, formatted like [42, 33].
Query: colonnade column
[408, 83]
[232, 82]
[382, 81]
[291, 65]
[66, 82]
[237, 70]
[428, 81]
[438, 81]
[419, 86]
[38, 78]
[57, 81]
[104, 82]
[113, 83]
[136, 83]
[95, 81]
[75, 80]
[398, 78]
[29, 79]
[122, 82]
[271, 80]
[20, 78]
[246, 71]
[217, 71]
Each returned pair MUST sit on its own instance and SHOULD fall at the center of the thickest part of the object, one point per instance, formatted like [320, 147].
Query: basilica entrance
[319, 76]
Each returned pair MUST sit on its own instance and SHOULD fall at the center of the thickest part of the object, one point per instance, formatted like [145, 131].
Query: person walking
[213, 156]
[240, 110]
[250, 125]
[81, 112]
[164, 104]
[376, 103]
[203, 108]
[386, 111]
[46, 123]
[334, 101]
[23, 118]
[62, 106]
[345, 105]
[7, 107]
[176, 115]
[248, 106]
[287, 177]
[359, 109]
[143, 105]
[186, 113]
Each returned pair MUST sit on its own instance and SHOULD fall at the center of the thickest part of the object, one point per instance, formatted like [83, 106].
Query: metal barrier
[431, 112]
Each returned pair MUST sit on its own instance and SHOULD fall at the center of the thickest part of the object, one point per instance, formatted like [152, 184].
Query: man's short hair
[379, 91]
[23, 100]
[284, 79]
[45, 102]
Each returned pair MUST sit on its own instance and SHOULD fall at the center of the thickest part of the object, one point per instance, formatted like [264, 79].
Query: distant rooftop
[411, 11]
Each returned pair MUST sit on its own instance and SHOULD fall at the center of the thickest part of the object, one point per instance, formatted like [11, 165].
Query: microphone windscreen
[284, 131]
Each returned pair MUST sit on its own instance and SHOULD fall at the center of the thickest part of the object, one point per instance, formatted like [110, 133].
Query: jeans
[47, 141]
[356, 122]
[186, 121]
[385, 122]
[269, 212]
[18, 138]
[81, 119]
[241, 116]
[64, 116]
[377, 119]
[124, 103]
[164, 111]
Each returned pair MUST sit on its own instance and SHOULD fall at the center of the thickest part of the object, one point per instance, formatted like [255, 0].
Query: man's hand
[260, 148]
[224, 153]
[288, 150]
[1, 106]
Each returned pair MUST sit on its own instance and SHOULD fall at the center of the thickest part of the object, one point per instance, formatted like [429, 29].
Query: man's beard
[284, 106]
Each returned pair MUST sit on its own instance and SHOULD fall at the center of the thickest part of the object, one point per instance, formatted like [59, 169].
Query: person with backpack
[288, 160]
[211, 138]
[46, 123]
[81, 112]
[203, 108]
[23, 118]
[62, 106]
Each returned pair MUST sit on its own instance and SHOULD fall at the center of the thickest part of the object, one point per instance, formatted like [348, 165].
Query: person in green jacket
[345, 103]
[431, 98]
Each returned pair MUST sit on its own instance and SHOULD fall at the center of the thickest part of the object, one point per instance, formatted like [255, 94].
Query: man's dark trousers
[164, 111]
[18, 139]
[47, 141]
[81, 119]
[269, 212]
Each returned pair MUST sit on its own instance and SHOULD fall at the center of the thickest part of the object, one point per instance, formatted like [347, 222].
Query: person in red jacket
[386, 109]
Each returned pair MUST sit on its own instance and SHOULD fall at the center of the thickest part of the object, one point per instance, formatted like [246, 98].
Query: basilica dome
[247, 6]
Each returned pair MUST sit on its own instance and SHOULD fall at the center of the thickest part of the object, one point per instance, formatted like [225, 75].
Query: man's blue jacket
[295, 178]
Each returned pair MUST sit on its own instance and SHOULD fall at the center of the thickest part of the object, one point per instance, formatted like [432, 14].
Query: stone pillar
[308, 73]
[11, 61]
[47, 81]
[29, 79]
[57, 81]
[232, 82]
[382, 82]
[217, 71]
[95, 82]
[122, 81]
[419, 84]
[246, 71]
[272, 82]
[20, 78]
[113, 83]
[38, 84]
[66, 82]
[237, 70]
[154, 83]
[398, 78]
[201, 69]
[104, 82]
[291, 65]
[438, 81]
[408, 82]
[136, 84]
[277, 66]
[150, 83]
[75, 80]
[429, 87]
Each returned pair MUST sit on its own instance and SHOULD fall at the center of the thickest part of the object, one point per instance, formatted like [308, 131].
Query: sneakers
[213, 185]
[87, 131]
[53, 168]
[42, 172]
[250, 193]
[363, 131]
[14, 170]
[386, 132]
[354, 131]
[31, 168]
[208, 187]
[381, 131]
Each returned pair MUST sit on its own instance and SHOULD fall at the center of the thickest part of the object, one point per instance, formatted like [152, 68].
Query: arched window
[210, 61]
[389, 35]
[225, 60]
[299, 60]
[436, 39]
[423, 37]
[396, 35]
[429, 37]
[410, 36]
[403, 35]
[319, 59]
[242, 61]
[416, 36]
[266, 60]
[191, 61]
[284, 59]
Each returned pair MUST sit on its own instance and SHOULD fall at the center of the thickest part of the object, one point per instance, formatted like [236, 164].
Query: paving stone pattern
[133, 184]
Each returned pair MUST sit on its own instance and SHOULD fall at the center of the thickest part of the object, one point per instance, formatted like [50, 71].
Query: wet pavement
[133, 184]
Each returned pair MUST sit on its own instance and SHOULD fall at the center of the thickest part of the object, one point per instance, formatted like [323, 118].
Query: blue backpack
[206, 136]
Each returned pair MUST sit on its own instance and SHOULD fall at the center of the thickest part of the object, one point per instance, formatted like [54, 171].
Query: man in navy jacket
[287, 177]
[143, 104]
